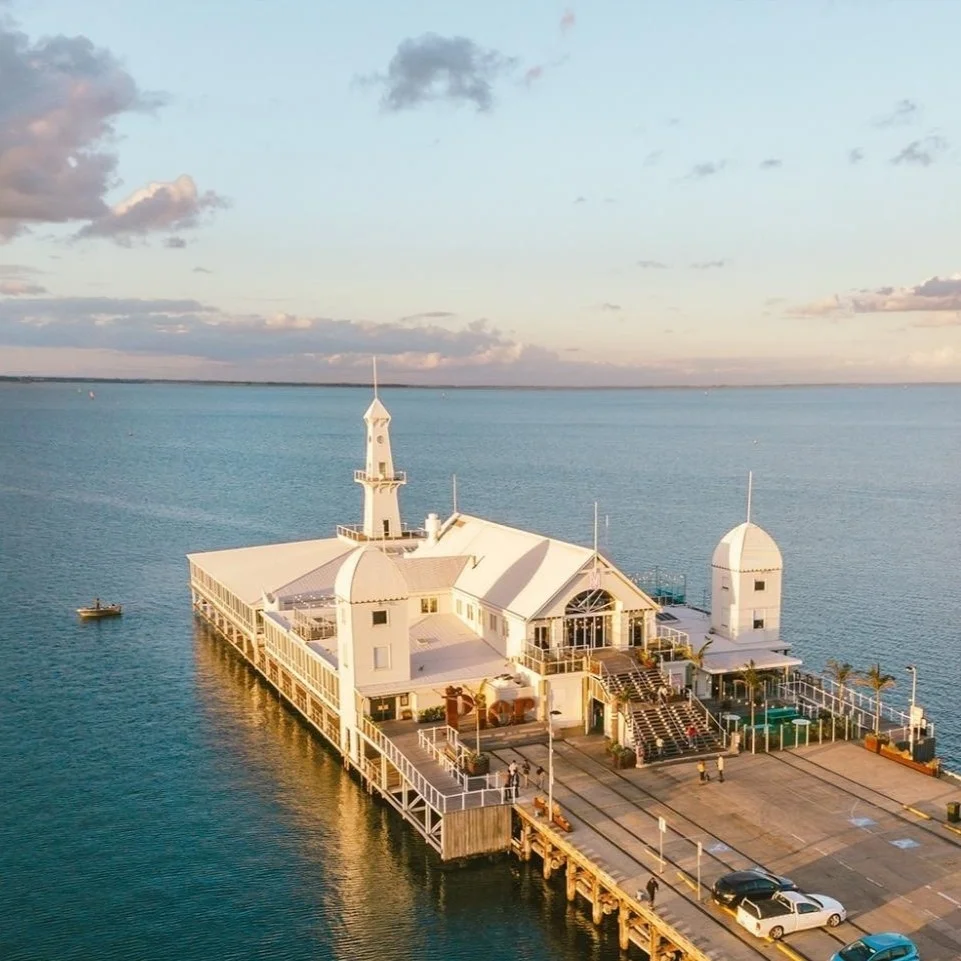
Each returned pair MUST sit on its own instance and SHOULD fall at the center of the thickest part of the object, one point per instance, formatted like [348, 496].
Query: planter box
[476, 766]
[624, 759]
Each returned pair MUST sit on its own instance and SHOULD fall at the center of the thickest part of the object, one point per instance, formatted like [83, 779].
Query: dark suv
[757, 885]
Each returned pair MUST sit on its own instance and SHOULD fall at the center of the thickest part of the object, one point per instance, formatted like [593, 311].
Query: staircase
[647, 719]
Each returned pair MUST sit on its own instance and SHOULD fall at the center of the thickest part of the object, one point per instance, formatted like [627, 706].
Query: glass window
[428, 605]
[542, 637]
[460, 607]
[381, 658]
[759, 585]
[378, 617]
[493, 622]
[758, 621]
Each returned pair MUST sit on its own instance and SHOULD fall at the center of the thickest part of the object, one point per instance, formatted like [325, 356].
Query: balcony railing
[566, 660]
[355, 532]
[398, 477]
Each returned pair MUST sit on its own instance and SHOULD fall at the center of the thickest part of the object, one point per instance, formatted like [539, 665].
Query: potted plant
[624, 757]
[476, 764]
[430, 714]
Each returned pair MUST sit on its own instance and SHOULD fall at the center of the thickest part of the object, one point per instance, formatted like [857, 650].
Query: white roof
[376, 411]
[248, 572]
[443, 649]
[747, 548]
[425, 574]
[725, 662]
[316, 583]
[369, 576]
[510, 569]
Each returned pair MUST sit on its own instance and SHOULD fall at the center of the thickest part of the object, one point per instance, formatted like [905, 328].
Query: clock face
[380, 438]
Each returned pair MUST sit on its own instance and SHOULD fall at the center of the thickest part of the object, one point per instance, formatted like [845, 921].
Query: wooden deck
[837, 819]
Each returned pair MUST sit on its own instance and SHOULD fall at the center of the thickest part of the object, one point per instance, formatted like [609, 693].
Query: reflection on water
[374, 889]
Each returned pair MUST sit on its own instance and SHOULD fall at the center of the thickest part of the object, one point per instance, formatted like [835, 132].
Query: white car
[789, 911]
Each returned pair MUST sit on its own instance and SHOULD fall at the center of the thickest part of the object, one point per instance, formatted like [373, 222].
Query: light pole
[914, 690]
[550, 760]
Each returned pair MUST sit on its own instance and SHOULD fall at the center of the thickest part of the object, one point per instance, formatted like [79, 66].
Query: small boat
[100, 610]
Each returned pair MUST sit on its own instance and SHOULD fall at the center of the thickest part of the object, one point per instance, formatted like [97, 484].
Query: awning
[730, 662]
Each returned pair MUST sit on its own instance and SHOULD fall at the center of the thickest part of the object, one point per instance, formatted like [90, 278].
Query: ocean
[159, 802]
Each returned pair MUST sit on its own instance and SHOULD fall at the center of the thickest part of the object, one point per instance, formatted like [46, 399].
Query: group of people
[515, 773]
[702, 774]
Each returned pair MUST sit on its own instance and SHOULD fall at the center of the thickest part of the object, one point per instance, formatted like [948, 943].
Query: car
[789, 911]
[879, 947]
[756, 884]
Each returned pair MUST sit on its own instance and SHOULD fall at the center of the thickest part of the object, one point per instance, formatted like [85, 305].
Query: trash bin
[954, 811]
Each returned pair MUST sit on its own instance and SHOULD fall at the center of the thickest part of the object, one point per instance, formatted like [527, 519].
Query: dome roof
[368, 576]
[747, 548]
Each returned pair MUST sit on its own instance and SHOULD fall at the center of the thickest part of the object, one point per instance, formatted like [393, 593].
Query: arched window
[587, 619]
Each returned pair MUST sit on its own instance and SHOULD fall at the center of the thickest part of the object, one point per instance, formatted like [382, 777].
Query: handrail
[428, 741]
[439, 801]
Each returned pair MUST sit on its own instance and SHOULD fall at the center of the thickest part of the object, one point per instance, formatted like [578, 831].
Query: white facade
[379, 480]
[746, 572]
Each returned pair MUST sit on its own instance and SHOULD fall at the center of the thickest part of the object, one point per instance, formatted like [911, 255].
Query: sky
[619, 193]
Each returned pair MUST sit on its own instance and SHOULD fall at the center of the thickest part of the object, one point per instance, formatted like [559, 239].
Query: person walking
[720, 768]
[526, 771]
[659, 747]
[702, 772]
[652, 887]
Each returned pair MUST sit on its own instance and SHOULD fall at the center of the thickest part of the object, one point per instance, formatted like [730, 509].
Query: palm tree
[878, 682]
[480, 703]
[697, 657]
[753, 679]
[841, 673]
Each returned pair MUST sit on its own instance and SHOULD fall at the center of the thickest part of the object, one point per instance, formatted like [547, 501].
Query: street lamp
[914, 690]
[550, 763]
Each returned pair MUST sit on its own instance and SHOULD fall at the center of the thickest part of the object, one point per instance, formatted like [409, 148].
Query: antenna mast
[750, 485]
[375, 376]
[454, 486]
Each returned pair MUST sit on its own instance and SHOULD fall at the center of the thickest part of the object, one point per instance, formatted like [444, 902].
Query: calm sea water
[159, 803]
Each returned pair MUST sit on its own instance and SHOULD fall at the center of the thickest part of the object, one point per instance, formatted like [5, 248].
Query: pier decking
[836, 819]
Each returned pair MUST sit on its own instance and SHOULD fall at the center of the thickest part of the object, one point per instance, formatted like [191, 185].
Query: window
[758, 621]
[470, 612]
[759, 585]
[386, 528]
[381, 658]
[428, 605]
[460, 607]
[493, 622]
[382, 468]
[378, 618]
[542, 637]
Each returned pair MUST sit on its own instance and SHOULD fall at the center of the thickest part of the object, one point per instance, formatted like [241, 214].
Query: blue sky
[616, 193]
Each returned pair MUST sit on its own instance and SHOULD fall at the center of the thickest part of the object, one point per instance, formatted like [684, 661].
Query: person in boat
[96, 605]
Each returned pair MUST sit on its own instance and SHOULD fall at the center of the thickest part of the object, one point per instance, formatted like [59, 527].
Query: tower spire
[378, 478]
[750, 484]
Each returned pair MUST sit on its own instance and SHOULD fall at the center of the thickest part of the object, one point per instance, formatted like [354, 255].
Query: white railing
[398, 477]
[443, 803]
[444, 745]
[827, 694]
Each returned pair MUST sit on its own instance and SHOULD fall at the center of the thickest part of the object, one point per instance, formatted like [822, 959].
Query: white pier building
[399, 645]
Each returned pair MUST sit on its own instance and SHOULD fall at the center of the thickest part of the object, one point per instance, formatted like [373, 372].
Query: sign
[661, 825]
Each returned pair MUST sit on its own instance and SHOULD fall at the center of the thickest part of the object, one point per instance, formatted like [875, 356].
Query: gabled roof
[507, 568]
[248, 572]
[369, 576]
[316, 583]
[424, 574]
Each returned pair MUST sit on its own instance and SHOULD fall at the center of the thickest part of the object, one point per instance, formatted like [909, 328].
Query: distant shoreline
[29, 379]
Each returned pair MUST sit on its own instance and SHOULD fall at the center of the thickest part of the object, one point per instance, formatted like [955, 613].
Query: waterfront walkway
[836, 819]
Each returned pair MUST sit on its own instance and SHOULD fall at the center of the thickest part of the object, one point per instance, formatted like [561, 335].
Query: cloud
[18, 270]
[652, 158]
[428, 315]
[60, 101]
[772, 163]
[651, 265]
[158, 206]
[175, 243]
[904, 112]
[580, 200]
[568, 21]
[609, 306]
[432, 68]
[20, 288]
[706, 169]
[922, 152]
[855, 156]
[533, 74]
[938, 358]
[708, 264]
[201, 270]
[933, 294]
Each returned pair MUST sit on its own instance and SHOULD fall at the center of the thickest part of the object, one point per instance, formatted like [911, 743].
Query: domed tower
[746, 572]
[373, 636]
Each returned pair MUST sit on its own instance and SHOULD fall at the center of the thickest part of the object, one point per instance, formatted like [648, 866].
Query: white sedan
[789, 911]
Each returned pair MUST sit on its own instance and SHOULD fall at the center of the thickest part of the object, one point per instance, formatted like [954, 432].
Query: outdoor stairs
[407, 743]
[649, 719]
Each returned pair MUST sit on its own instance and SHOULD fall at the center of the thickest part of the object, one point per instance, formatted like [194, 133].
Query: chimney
[432, 526]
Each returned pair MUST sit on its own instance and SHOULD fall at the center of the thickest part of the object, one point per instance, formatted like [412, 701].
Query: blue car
[879, 947]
